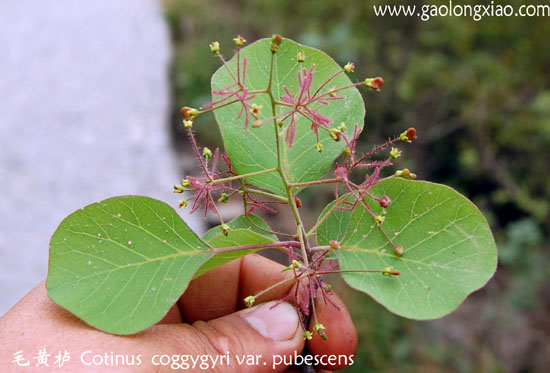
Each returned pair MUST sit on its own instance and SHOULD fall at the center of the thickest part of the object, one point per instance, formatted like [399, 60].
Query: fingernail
[278, 323]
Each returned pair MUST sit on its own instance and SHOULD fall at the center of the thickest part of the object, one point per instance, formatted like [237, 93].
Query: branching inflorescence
[308, 264]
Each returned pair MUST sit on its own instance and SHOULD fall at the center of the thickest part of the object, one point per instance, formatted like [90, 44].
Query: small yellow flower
[206, 153]
[349, 67]
[239, 41]
[249, 301]
[214, 47]
[395, 153]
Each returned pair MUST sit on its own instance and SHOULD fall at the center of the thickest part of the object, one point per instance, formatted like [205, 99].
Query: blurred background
[479, 95]
[85, 103]
[90, 99]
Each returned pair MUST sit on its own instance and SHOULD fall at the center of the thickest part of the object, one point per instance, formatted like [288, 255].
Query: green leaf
[449, 249]
[243, 232]
[336, 225]
[253, 223]
[255, 149]
[121, 263]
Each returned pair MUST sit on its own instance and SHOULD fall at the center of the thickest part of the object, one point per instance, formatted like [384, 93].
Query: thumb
[256, 339]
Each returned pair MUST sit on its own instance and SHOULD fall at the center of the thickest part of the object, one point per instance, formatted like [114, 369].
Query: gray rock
[84, 116]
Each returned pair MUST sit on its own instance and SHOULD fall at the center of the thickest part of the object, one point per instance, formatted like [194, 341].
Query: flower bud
[206, 153]
[189, 113]
[374, 83]
[347, 150]
[320, 329]
[379, 219]
[183, 203]
[335, 134]
[187, 124]
[405, 174]
[384, 202]
[395, 153]
[342, 127]
[389, 271]
[334, 245]
[214, 47]
[349, 67]
[239, 41]
[178, 188]
[301, 56]
[224, 197]
[298, 202]
[408, 135]
[307, 335]
[225, 229]
[319, 147]
[332, 92]
[185, 183]
[249, 301]
[398, 250]
[295, 264]
[276, 41]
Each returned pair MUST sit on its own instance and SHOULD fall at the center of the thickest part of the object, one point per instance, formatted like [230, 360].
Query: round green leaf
[255, 149]
[120, 264]
[449, 249]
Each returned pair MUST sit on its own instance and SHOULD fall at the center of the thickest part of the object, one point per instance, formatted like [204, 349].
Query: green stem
[212, 108]
[274, 286]
[237, 177]
[332, 209]
[371, 213]
[265, 194]
[280, 169]
[317, 182]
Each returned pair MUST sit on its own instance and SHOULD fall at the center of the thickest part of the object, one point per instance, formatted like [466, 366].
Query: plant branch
[275, 286]
[237, 177]
[285, 244]
[374, 151]
[316, 182]
[265, 194]
[332, 209]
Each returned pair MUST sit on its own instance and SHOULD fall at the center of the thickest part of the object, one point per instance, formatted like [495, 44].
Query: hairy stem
[316, 182]
[374, 151]
[237, 177]
[265, 194]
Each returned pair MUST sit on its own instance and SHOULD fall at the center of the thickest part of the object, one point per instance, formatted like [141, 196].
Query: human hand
[208, 320]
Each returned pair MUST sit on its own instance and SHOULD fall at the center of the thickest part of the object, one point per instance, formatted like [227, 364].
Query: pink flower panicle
[204, 189]
[306, 105]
